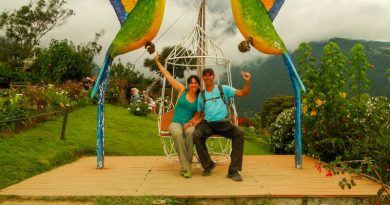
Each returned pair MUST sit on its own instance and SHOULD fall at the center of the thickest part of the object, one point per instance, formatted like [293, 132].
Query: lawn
[40, 149]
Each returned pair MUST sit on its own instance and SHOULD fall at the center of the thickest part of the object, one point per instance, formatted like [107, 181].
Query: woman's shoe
[186, 173]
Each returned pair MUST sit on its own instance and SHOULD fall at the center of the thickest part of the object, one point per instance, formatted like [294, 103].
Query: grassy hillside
[40, 149]
[270, 78]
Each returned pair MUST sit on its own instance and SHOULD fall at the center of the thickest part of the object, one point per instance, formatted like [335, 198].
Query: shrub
[112, 94]
[282, 140]
[37, 99]
[139, 108]
[272, 107]
[339, 125]
[74, 91]
[12, 113]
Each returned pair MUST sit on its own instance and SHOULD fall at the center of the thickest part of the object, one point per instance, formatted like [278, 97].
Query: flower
[329, 173]
[318, 166]
[343, 94]
[149, 108]
[319, 102]
[304, 109]
[137, 109]
[313, 113]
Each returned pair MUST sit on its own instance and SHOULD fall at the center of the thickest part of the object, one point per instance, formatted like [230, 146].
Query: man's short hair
[208, 70]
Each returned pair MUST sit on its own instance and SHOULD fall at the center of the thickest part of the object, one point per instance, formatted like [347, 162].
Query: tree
[179, 70]
[25, 27]
[272, 107]
[64, 61]
[359, 65]
[324, 104]
[128, 73]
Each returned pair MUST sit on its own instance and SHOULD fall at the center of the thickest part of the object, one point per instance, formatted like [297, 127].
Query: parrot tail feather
[292, 72]
[102, 77]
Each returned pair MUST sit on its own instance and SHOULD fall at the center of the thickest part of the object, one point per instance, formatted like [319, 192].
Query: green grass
[40, 149]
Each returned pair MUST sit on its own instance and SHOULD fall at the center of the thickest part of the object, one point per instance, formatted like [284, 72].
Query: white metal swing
[195, 52]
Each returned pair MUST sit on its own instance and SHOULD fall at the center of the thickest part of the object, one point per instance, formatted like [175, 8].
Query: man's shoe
[234, 175]
[207, 171]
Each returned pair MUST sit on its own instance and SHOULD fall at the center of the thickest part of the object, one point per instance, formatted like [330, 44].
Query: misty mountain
[270, 77]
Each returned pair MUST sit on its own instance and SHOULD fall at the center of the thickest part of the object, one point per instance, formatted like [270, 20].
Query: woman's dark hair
[189, 79]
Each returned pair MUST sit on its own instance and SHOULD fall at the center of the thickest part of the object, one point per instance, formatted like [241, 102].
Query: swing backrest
[164, 120]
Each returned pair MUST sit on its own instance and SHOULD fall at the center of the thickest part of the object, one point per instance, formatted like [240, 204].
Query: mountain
[270, 77]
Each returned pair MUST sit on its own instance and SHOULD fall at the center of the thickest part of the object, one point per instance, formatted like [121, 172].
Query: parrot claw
[244, 46]
[150, 47]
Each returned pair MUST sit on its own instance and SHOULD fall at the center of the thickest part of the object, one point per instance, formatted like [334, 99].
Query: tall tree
[64, 60]
[26, 26]
[357, 71]
[179, 70]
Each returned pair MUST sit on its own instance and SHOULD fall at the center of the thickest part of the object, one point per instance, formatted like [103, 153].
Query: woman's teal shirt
[184, 110]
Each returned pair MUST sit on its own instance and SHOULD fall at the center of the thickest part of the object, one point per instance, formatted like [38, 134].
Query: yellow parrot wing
[123, 8]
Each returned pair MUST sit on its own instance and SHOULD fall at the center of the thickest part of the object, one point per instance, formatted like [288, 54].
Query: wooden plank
[264, 176]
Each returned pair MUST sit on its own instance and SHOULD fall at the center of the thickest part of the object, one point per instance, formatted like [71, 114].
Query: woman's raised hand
[157, 58]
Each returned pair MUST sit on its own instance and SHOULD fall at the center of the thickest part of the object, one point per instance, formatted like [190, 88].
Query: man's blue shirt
[215, 107]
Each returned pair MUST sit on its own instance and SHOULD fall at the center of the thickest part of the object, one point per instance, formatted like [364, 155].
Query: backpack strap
[222, 96]
[221, 93]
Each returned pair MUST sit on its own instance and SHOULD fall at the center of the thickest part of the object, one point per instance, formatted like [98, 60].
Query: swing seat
[218, 146]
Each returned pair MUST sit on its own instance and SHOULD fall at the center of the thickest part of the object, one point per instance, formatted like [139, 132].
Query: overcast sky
[298, 21]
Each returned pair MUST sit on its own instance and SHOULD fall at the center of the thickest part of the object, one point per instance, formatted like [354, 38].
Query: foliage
[122, 79]
[282, 140]
[74, 91]
[64, 61]
[324, 119]
[358, 81]
[37, 103]
[139, 108]
[270, 77]
[7, 75]
[12, 113]
[272, 107]
[353, 126]
[8, 51]
[112, 93]
[179, 70]
[128, 73]
[355, 169]
[26, 26]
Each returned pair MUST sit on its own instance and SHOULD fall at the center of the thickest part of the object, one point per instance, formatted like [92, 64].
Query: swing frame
[208, 54]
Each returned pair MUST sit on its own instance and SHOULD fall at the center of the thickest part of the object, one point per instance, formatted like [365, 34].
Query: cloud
[298, 21]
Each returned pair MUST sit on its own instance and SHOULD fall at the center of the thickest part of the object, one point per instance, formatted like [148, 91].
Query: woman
[183, 121]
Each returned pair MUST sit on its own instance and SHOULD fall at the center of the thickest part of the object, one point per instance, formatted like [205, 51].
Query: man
[216, 121]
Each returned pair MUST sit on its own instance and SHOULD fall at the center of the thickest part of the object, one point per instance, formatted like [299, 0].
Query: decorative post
[65, 121]
[201, 49]
[297, 101]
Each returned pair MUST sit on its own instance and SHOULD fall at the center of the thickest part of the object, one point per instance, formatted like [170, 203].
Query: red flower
[329, 173]
[376, 202]
[318, 166]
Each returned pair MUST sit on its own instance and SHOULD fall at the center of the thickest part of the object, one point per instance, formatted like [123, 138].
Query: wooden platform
[264, 176]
